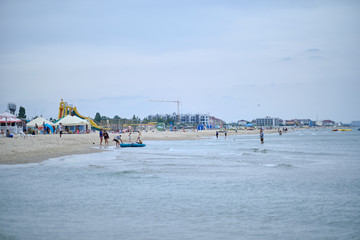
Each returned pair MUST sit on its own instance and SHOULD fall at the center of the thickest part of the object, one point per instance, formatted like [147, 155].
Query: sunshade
[39, 121]
[72, 121]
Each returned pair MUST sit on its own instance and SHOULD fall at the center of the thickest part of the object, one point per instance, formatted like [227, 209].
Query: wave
[279, 165]
[96, 166]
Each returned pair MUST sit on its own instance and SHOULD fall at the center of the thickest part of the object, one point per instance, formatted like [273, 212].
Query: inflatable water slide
[66, 109]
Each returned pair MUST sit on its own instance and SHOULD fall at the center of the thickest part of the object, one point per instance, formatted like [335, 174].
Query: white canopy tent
[39, 121]
[73, 122]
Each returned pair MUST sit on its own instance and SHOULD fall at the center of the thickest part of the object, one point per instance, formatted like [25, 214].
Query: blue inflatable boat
[132, 145]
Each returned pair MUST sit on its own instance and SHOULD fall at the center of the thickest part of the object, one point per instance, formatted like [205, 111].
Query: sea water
[302, 185]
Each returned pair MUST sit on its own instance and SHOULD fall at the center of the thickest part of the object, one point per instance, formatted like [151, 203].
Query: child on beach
[8, 134]
[261, 136]
[138, 140]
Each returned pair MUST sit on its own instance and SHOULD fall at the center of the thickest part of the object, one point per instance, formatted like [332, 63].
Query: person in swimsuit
[261, 136]
[101, 136]
[106, 137]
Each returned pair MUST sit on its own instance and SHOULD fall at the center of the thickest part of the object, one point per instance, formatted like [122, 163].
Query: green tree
[145, 120]
[116, 117]
[97, 118]
[22, 112]
[135, 119]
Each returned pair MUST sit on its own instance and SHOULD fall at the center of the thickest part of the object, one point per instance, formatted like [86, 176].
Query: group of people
[217, 134]
[104, 135]
[8, 134]
[261, 135]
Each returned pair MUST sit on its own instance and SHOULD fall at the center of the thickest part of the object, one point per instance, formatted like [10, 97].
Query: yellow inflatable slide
[66, 109]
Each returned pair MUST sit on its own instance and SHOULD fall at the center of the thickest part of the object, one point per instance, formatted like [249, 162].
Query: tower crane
[173, 101]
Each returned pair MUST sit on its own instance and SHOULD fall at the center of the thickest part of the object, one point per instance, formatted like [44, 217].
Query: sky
[232, 59]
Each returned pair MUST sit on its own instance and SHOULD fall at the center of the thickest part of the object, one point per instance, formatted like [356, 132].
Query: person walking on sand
[60, 129]
[217, 134]
[101, 135]
[261, 136]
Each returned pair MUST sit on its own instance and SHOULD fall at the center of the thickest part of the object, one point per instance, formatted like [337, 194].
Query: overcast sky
[232, 59]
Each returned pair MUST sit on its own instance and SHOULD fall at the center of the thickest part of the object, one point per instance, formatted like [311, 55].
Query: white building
[199, 119]
[267, 122]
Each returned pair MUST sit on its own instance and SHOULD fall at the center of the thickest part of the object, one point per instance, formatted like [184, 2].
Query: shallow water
[301, 185]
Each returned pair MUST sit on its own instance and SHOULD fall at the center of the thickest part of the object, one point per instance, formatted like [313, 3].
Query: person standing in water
[106, 137]
[101, 135]
[117, 139]
[261, 136]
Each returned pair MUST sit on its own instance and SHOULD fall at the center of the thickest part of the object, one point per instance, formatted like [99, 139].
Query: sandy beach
[20, 150]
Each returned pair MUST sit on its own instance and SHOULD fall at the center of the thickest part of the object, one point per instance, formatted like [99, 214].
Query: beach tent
[9, 118]
[72, 122]
[39, 121]
[249, 125]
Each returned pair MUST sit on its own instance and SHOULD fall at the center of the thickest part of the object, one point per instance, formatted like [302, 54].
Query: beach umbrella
[9, 118]
[249, 125]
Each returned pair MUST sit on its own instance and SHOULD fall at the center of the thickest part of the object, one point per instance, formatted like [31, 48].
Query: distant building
[267, 122]
[191, 119]
[290, 123]
[304, 122]
[328, 123]
[355, 124]
[242, 122]
[318, 123]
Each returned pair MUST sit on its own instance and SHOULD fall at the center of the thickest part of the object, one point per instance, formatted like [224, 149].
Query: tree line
[98, 118]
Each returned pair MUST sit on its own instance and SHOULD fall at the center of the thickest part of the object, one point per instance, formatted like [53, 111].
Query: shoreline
[39, 148]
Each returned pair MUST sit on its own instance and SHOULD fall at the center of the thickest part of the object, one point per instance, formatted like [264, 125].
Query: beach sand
[20, 150]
